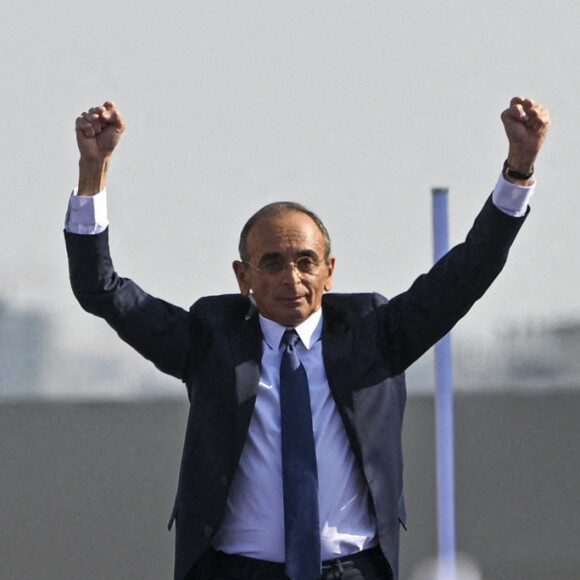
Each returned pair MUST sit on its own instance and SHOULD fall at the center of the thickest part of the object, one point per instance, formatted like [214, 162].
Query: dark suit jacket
[215, 349]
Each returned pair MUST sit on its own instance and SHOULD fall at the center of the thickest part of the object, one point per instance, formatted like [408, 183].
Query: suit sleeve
[156, 329]
[416, 319]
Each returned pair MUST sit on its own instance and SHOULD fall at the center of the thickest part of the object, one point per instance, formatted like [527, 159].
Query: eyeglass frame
[284, 266]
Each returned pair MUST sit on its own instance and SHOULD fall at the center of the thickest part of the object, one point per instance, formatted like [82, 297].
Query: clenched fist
[98, 133]
[526, 124]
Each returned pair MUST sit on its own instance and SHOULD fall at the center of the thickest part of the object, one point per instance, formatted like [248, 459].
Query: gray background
[356, 108]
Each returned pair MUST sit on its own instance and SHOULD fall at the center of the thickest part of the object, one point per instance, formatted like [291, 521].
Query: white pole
[444, 409]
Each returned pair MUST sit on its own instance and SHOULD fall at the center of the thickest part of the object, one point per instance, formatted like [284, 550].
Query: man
[292, 461]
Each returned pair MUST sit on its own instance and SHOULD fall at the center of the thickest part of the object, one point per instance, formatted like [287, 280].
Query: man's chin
[288, 316]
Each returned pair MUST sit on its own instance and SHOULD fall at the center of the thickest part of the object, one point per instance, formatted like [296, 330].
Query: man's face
[288, 297]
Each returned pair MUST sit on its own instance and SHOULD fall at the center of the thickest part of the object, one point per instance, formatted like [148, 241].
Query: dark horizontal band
[516, 174]
[242, 565]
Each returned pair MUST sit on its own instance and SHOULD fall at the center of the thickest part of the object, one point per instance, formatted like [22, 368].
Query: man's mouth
[292, 298]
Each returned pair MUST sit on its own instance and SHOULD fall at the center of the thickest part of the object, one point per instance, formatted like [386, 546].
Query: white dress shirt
[254, 521]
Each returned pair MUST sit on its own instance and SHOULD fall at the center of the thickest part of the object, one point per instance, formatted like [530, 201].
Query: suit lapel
[246, 345]
[337, 351]
[337, 348]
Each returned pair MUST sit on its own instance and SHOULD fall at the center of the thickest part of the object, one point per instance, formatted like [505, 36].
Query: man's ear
[242, 276]
[328, 283]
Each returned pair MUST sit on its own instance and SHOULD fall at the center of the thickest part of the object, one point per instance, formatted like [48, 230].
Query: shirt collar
[309, 331]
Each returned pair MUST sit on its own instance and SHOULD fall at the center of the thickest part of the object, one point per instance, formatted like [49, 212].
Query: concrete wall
[87, 489]
[517, 490]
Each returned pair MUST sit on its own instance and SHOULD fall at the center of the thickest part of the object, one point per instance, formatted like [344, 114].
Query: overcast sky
[356, 109]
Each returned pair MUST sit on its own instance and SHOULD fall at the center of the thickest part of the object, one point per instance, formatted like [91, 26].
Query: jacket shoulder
[225, 308]
[358, 303]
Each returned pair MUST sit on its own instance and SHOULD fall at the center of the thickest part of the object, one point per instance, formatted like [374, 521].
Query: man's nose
[292, 272]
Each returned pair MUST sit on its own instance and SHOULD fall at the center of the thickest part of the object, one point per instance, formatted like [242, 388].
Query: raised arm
[156, 329]
[419, 317]
[98, 133]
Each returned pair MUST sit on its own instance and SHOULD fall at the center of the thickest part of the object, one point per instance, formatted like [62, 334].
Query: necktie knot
[290, 338]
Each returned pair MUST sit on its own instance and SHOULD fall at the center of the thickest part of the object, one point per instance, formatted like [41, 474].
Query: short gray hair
[276, 209]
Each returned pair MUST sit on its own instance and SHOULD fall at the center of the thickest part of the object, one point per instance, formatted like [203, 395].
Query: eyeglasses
[305, 265]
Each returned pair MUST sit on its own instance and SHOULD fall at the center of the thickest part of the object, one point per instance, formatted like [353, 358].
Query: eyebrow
[279, 256]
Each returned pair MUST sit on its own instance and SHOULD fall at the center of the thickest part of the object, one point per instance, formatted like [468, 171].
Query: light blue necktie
[299, 471]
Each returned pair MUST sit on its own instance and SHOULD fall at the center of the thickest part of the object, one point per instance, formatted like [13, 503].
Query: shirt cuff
[512, 199]
[87, 215]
